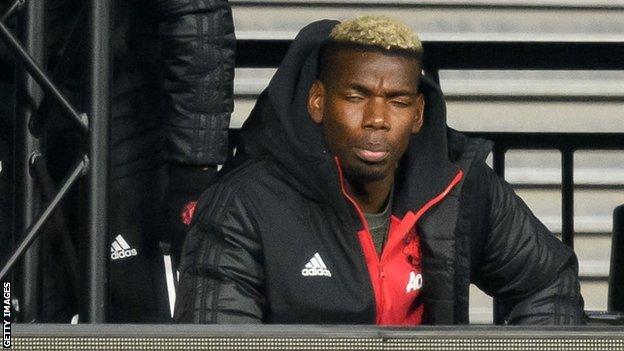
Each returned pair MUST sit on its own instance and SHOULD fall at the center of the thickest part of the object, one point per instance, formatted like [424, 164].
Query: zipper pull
[382, 274]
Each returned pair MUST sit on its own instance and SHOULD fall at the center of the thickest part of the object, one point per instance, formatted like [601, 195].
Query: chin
[366, 173]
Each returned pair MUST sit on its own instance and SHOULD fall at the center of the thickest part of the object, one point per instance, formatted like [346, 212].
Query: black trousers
[137, 285]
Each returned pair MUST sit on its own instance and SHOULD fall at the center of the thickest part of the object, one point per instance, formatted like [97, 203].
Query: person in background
[172, 96]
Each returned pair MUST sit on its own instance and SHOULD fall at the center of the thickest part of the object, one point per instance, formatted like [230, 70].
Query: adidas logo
[121, 249]
[316, 267]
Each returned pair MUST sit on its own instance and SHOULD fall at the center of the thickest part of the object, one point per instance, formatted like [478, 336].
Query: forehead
[363, 66]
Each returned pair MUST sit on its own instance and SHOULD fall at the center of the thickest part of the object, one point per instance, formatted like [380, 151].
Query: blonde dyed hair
[380, 31]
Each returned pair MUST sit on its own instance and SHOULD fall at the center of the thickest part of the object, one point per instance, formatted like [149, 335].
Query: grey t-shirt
[379, 224]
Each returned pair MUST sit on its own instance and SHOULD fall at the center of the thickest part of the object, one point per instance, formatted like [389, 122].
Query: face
[368, 107]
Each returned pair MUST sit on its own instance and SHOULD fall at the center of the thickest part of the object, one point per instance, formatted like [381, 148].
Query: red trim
[367, 246]
[344, 192]
[187, 212]
[411, 218]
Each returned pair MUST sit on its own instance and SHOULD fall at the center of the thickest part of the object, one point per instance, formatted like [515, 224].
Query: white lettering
[6, 299]
[307, 272]
[6, 337]
[415, 282]
[123, 254]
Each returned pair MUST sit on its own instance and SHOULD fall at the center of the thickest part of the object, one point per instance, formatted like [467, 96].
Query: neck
[371, 196]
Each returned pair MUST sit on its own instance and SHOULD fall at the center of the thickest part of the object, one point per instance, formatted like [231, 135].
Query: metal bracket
[15, 6]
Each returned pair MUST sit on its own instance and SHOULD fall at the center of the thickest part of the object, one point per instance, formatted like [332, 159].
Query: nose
[375, 115]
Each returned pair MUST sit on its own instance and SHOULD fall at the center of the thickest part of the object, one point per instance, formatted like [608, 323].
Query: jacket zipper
[409, 221]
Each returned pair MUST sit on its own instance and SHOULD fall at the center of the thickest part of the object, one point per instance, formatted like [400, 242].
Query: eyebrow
[395, 93]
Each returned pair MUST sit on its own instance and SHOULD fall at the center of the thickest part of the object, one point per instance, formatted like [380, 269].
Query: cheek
[338, 135]
[341, 122]
[403, 132]
[403, 141]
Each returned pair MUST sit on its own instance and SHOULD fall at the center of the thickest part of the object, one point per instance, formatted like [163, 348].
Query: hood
[280, 126]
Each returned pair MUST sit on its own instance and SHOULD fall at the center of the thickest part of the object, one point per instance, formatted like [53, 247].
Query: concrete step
[604, 176]
[476, 84]
[503, 100]
[442, 20]
[550, 159]
[536, 116]
[532, 85]
[593, 209]
[539, 168]
[594, 254]
[512, 116]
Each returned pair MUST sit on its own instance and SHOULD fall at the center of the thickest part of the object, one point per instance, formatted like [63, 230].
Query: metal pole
[567, 197]
[34, 230]
[93, 305]
[15, 6]
[59, 230]
[616, 272]
[498, 161]
[27, 99]
[38, 74]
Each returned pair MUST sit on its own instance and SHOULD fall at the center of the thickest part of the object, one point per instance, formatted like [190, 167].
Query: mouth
[372, 156]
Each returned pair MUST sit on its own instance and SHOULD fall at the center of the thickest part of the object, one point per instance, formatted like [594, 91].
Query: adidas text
[121, 249]
[123, 254]
[309, 272]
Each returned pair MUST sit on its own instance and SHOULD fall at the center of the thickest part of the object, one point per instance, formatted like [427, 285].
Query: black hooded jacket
[279, 201]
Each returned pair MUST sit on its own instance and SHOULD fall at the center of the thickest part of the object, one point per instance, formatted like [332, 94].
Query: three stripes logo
[315, 267]
[121, 249]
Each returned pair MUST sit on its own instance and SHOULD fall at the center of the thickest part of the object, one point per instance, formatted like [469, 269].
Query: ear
[316, 100]
[420, 114]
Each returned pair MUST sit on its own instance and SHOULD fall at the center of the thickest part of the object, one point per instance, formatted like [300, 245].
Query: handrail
[315, 337]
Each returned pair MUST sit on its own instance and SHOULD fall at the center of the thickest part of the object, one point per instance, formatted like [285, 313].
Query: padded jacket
[173, 64]
[279, 202]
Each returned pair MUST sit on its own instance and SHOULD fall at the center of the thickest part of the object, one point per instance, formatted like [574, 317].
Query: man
[351, 201]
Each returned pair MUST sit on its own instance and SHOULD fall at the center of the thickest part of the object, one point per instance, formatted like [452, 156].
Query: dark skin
[369, 105]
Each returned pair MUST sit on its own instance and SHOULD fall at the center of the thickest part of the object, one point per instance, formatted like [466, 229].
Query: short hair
[370, 34]
[380, 31]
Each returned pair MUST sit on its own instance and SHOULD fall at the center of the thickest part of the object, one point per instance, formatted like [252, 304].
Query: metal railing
[93, 163]
[314, 337]
[94, 122]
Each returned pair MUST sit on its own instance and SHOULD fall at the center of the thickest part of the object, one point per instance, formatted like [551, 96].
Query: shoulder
[470, 155]
[467, 151]
[242, 186]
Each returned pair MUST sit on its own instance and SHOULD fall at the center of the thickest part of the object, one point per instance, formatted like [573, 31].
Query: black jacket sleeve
[524, 265]
[198, 48]
[221, 270]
